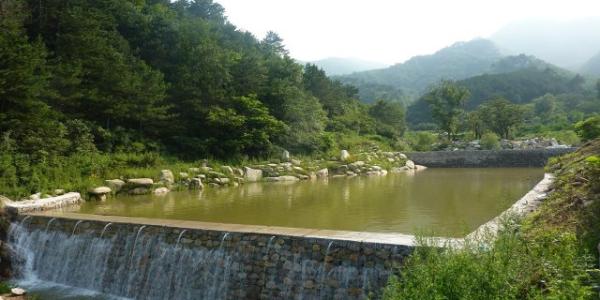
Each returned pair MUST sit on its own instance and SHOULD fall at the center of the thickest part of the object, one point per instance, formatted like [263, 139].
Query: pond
[442, 202]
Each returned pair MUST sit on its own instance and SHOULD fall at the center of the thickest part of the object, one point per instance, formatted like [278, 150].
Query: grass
[548, 255]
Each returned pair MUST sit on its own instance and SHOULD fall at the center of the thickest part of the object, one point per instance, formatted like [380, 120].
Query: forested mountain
[521, 87]
[343, 66]
[567, 44]
[160, 75]
[459, 61]
[592, 66]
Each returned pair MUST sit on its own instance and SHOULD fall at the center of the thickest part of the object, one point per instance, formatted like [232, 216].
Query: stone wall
[165, 262]
[486, 158]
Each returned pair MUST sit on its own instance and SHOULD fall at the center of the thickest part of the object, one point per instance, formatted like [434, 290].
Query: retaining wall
[486, 158]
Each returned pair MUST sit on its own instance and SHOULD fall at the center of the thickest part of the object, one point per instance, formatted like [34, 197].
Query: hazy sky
[385, 30]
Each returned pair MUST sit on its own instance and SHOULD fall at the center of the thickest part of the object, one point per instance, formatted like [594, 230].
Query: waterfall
[155, 263]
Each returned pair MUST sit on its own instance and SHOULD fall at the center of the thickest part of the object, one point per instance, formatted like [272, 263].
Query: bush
[490, 141]
[588, 129]
[512, 268]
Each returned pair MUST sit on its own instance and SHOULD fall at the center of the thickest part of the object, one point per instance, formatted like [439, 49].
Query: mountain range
[342, 66]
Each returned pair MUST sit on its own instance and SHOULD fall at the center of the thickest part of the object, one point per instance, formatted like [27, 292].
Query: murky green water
[448, 202]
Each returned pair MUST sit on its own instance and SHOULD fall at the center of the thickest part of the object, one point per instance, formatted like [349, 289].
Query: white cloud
[385, 30]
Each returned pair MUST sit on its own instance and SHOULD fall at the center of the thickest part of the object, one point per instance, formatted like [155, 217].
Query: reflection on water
[448, 202]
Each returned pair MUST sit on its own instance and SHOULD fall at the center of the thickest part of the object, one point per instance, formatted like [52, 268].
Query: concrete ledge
[527, 204]
[487, 158]
[20, 207]
[340, 235]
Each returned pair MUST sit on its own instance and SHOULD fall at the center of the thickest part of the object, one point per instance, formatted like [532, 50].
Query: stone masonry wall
[159, 262]
[486, 158]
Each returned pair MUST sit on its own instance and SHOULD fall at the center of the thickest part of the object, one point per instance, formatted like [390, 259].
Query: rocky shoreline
[213, 175]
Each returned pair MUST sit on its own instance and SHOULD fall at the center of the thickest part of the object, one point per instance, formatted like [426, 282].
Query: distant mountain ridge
[458, 61]
[592, 66]
[343, 66]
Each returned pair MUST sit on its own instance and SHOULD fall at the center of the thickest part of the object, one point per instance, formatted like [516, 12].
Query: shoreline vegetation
[550, 254]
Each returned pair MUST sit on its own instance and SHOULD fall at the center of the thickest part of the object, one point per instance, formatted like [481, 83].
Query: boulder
[344, 155]
[17, 291]
[282, 178]
[223, 180]
[285, 156]
[227, 170]
[323, 173]
[114, 184]
[35, 196]
[184, 175]
[252, 175]
[410, 164]
[140, 182]
[194, 170]
[101, 190]
[403, 156]
[161, 191]
[58, 192]
[167, 177]
[296, 162]
[238, 172]
[196, 184]
[399, 169]
[205, 169]
[420, 168]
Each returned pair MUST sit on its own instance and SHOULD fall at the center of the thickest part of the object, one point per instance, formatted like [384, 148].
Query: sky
[389, 31]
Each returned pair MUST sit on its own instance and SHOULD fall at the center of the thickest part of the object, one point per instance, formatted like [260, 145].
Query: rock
[140, 182]
[201, 176]
[166, 176]
[114, 184]
[410, 164]
[58, 192]
[296, 162]
[223, 180]
[285, 156]
[196, 184]
[297, 169]
[303, 177]
[35, 196]
[344, 155]
[376, 168]
[184, 175]
[238, 172]
[403, 156]
[17, 291]
[399, 169]
[323, 173]
[282, 178]
[227, 170]
[161, 191]
[101, 190]
[420, 168]
[194, 170]
[205, 169]
[139, 191]
[252, 175]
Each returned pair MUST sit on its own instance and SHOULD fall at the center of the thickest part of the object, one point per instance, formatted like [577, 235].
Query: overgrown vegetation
[551, 254]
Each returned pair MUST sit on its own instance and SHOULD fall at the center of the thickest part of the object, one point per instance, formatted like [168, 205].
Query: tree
[588, 129]
[501, 116]
[446, 102]
[476, 123]
[389, 117]
[545, 106]
[274, 44]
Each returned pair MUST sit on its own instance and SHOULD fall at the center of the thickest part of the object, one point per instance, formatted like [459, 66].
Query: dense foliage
[162, 75]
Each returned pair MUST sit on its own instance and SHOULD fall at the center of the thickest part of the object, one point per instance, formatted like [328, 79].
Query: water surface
[450, 202]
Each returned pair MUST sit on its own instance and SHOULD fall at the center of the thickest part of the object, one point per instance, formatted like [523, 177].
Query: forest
[162, 76]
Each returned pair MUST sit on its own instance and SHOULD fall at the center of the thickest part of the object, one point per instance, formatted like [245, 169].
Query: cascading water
[152, 263]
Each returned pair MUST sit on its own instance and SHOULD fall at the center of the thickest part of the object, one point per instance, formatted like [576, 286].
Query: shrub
[588, 129]
[490, 141]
